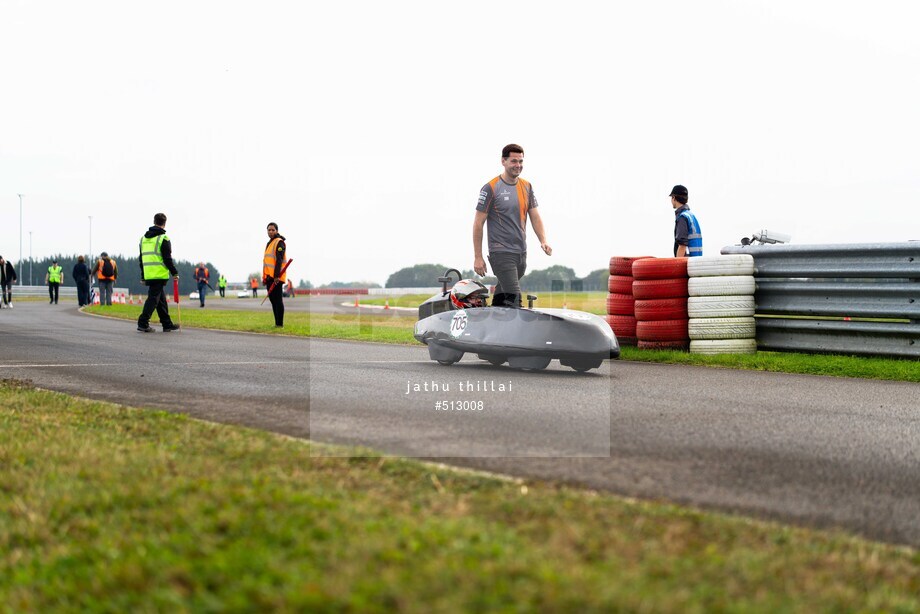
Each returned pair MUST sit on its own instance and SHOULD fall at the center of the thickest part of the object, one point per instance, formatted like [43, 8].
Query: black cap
[679, 190]
[104, 255]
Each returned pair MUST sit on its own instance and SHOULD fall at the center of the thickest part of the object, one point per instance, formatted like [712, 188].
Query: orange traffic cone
[386, 305]
[563, 306]
[356, 302]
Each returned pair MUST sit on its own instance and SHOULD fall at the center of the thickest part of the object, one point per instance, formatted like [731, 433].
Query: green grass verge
[398, 329]
[592, 302]
[106, 508]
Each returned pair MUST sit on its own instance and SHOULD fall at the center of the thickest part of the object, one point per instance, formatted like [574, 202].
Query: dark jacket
[165, 251]
[80, 272]
[7, 273]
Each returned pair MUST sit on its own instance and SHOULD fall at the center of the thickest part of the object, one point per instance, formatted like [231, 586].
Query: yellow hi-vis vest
[271, 257]
[152, 258]
[54, 274]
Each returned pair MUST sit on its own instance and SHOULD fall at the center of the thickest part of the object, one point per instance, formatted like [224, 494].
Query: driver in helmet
[468, 293]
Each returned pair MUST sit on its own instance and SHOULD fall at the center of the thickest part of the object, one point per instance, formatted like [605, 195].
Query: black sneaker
[144, 329]
[170, 328]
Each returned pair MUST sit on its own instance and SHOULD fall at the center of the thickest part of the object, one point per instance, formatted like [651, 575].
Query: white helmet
[468, 293]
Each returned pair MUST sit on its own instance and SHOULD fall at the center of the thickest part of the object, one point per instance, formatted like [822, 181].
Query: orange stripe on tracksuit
[523, 191]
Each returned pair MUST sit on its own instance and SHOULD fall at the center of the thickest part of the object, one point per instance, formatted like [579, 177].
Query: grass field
[392, 328]
[106, 508]
[592, 302]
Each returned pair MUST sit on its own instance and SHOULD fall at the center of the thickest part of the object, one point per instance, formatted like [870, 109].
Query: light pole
[90, 236]
[20, 239]
[30, 257]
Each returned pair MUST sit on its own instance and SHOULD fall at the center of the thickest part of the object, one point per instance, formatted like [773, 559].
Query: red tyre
[663, 330]
[620, 304]
[622, 265]
[660, 288]
[661, 309]
[624, 341]
[660, 268]
[620, 284]
[622, 325]
[664, 345]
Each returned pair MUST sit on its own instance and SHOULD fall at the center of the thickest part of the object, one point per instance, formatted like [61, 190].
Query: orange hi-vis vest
[100, 274]
[269, 260]
[254, 282]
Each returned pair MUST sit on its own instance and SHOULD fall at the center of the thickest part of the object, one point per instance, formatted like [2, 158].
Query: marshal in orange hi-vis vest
[270, 259]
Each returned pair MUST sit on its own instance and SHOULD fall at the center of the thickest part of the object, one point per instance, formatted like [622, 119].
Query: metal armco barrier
[870, 280]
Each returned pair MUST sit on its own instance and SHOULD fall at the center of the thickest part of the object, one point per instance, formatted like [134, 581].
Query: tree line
[129, 272]
[556, 278]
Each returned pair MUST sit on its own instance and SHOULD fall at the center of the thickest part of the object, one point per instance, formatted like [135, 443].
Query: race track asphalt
[817, 451]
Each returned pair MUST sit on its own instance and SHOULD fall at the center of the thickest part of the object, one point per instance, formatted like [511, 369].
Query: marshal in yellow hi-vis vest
[152, 257]
[54, 274]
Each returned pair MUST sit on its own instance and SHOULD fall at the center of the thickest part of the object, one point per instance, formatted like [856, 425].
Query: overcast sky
[366, 129]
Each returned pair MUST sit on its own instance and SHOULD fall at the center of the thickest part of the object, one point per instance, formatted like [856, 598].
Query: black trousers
[53, 287]
[277, 301]
[156, 300]
[83, 292]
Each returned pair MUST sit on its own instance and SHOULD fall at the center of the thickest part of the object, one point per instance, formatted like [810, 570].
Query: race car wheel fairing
[720, 306]
[661, 309]
[659, 288]
[662, 330]
[622, 325]
[620, 304]
[620, 284]
[721, 328]
[724, 346]
[660, 268]
[493, 360]
[622, 265]
[729, 285]
[728, 264]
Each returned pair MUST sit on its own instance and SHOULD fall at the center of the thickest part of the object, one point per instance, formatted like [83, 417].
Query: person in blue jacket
[688, 238]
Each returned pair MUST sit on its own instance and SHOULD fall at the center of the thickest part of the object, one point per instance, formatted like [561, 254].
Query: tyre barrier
[660, 288]
[622, 265]
[713, 266]
[660, 268]
[730, 285]
[624, 327]
[661, 309]
[721, 328]
[620, 304]
[662, 330]
[620, 284]
[721, 304]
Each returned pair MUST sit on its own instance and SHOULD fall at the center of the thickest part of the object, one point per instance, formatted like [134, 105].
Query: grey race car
[524, 338]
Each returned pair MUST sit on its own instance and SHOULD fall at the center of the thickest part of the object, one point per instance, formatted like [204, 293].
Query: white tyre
[729, 285]
[724, 346]
[729, 264]
[721, 328]
[720, 306]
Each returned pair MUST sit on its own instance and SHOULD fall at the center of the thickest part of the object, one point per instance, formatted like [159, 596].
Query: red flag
[176, 290]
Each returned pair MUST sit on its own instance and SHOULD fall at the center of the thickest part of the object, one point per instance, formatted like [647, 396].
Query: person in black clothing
[272, 263]
[7, 279]
[158, 255]
[80, 276]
